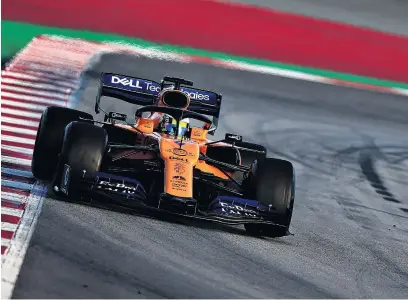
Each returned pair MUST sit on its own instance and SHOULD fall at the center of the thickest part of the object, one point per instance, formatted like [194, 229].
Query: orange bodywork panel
[127, 127]
[204, 167]
[179, 161]
[179, 164]
[145, 125]
[198, 134]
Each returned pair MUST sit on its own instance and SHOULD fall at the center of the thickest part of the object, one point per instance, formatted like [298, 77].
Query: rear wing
[143, 92]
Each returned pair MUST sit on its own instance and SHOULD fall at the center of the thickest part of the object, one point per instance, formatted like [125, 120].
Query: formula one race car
[163, 159]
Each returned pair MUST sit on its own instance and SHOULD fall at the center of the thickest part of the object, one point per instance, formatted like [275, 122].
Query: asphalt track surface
[350, 150]
[385, 15]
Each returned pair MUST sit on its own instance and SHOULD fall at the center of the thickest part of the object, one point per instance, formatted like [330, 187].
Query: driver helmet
[168, 125]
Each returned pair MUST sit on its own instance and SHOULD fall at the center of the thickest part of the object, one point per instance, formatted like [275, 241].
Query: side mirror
[232, 138]
[115, 116]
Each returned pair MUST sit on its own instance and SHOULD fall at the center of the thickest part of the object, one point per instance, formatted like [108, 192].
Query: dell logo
[126, 82]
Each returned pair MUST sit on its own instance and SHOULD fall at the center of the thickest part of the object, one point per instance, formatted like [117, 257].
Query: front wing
[129, 193]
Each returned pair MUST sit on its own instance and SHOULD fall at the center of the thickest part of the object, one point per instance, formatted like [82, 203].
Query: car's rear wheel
[49, 139]
[272, 183]
[83, 149]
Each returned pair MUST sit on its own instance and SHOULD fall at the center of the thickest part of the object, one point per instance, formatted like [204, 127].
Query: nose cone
[179, 164]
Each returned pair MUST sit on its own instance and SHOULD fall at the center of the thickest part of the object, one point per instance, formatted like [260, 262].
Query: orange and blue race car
[163, 160]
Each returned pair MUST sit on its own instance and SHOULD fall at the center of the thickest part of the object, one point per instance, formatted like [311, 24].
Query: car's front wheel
[50, 135]
[83, 149]
[272, 183]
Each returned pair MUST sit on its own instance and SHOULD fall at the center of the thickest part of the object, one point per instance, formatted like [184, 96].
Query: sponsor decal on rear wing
[153, 88]
[142, 91]
[136, 85]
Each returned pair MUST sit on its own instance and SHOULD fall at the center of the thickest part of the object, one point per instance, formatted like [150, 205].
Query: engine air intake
[175, 99]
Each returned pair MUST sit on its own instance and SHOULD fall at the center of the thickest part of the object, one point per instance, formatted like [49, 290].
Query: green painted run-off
[16, 35]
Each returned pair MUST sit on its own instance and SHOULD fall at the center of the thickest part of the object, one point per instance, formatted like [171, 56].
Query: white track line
[12, 212]
[20, 113]
[63, 67]
[61, 71]
[76, 52]
[271, 71]
[34, 92]
[14, 160]
[38, 55]
[17, 149]
[39, 76]
[70, 59]
[56, 81]
[54, 77]
[17, 139]
[59, 79]
[35, 85]
[33, 99]
[19, 130]
[79, 46]
[18, 249]
[5, 242]
[401, 91]
[8, 226]
[24, 105]
[19, 121]
[14, 197]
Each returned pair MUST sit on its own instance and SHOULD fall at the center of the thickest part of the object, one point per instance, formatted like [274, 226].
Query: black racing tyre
[83, 149]
[49, 139]
[272, 182]
[247, 156]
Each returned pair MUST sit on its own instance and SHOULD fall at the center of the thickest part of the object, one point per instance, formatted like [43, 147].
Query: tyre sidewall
[49, 139]
[83, 150]
[277, 177]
